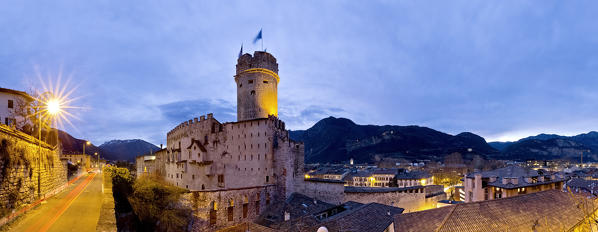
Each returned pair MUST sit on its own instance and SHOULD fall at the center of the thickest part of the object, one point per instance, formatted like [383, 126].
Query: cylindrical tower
[257, 86]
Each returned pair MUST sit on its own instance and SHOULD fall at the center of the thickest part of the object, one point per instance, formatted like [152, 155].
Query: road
[75, 209]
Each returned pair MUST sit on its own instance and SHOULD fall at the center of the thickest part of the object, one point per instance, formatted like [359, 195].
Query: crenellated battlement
[258, 60]
[186, 125]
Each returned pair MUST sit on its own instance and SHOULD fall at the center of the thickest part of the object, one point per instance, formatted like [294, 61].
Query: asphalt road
[75, 209]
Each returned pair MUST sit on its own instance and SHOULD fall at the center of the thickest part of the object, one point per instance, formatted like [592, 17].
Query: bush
[156, 203]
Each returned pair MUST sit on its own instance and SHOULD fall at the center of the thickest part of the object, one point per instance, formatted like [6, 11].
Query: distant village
[249, 175]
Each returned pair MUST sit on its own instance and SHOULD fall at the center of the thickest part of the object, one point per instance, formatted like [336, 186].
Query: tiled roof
[297, 205]
[325, 180]
[550, 210]
[352, 189]
[413, 175]
[588, 185]
[509, 171]
[247, 226]
[372, 217]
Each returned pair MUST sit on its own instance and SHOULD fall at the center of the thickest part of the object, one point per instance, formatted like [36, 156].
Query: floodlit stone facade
[234, 169]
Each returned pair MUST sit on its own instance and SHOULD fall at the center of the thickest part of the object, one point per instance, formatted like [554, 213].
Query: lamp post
[84, 145]
[98, 160]
[48, 104]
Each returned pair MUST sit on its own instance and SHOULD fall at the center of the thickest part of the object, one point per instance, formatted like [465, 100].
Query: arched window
[213, 212]
[245, 206]
[231, 206]
[252, 92]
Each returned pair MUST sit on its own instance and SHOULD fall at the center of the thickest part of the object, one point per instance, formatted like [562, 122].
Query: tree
[156, 203]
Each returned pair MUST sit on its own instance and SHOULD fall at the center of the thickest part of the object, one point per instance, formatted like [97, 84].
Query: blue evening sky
[500, 69]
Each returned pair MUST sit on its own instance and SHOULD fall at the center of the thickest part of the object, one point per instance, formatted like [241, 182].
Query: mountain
[339, 139]
[126, 149]
[70, 144]
[551, 146]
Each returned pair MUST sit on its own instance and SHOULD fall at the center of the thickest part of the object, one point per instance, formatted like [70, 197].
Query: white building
[10, 101]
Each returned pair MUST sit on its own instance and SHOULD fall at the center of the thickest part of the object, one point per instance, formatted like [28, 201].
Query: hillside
[551, 146]
[339, 139]
[126, 149]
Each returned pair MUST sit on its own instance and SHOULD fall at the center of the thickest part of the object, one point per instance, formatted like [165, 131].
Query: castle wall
[247, 203]
[411, 202]
[331, 192]
[22, 164]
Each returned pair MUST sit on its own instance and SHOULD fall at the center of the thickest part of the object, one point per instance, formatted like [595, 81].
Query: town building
[384, 177]
[236, 169]
[328, 173]
[359, 179]
[550, 210]
[414, 178]
[509, 181]
[145, 165]
[11, 102]
[82, 160]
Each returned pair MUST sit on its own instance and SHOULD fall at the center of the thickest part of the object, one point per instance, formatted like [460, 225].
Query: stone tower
[257, 86]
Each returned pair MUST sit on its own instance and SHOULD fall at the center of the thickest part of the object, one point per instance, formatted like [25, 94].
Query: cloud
[181, 111]
[498, 69]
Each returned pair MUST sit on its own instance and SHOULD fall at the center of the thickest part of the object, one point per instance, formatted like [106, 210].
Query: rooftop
[550, 210]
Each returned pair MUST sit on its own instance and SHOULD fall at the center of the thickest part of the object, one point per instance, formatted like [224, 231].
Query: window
[252, 92]
[213, 210]
[10, 104]
[221, 180]
[250, 81]
[265, 82]
[267, 179]
[240, 85]
[231, 206]
[245, 206]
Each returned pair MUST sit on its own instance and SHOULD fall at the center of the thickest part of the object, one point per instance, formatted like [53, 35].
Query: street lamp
[50, 106]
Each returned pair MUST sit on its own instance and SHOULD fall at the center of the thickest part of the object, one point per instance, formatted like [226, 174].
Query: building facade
[507, 182]
[10, 103]
[82, 160]
[236, 168]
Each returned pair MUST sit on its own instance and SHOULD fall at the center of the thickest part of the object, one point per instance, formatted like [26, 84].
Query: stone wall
[328, 191]
[410, 201]
[204, 203]
[22, 161]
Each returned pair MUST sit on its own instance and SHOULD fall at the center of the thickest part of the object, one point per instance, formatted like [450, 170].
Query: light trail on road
[43, 226]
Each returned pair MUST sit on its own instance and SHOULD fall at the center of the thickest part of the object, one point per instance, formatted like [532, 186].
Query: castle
[236, 169]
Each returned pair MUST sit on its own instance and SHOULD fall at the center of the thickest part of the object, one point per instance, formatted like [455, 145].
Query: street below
[75, 209]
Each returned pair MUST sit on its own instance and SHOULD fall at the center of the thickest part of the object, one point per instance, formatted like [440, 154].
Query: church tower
[257, 86]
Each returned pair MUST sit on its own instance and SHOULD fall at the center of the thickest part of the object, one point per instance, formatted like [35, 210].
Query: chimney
[201, 118]
[161, 145]
[210, 115]
[195, 120]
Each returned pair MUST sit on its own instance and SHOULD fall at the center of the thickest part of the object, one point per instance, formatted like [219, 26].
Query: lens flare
[53, 103]
[53, 107]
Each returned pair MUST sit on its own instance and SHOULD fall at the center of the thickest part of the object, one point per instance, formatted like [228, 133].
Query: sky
[501, 69]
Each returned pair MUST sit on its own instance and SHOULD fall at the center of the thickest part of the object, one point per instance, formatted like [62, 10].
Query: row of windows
[232, 137]
[251, 146]
[251, 157]
[231, 208]
[251, 82]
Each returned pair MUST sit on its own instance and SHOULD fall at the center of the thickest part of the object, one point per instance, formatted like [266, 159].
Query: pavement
[75, 209]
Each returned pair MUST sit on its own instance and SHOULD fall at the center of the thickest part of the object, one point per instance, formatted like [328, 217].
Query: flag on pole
[258, 37]
[241, 52]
